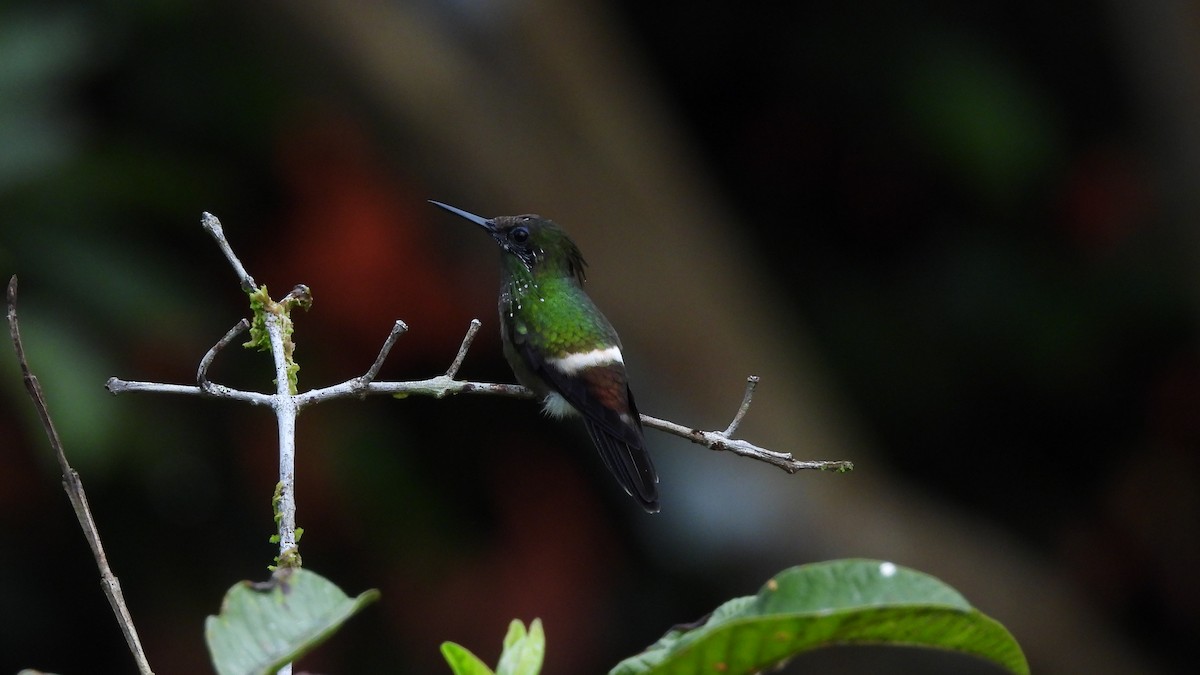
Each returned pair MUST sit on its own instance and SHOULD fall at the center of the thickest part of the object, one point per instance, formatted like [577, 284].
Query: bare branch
[116, 385]
[397, 331]
[210, 222]
[435, 387]
[75, 492]
[462, 350]
[715, 440]
[285, 413]
[445, 385]
[751, 383]
[206, 362]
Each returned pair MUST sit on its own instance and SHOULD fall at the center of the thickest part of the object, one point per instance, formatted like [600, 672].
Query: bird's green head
[536, 243]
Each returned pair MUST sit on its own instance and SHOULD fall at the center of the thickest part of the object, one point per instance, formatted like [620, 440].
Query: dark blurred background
[956, 241]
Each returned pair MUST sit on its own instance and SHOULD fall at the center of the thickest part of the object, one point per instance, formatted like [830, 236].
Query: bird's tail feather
[629, 463]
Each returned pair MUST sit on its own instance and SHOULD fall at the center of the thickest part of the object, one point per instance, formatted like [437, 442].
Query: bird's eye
[519, 235]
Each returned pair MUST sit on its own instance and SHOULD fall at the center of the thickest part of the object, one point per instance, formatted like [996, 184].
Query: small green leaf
[824, 604]
[522, 655]
[264, 626]
[462, 661]
[523, 652]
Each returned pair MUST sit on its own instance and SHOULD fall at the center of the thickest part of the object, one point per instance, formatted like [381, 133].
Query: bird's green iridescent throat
[550, 311]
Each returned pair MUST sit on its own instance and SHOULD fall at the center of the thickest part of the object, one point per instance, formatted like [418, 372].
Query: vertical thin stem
[285, 413]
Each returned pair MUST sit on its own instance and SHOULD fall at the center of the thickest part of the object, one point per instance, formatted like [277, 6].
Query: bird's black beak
[485, 223]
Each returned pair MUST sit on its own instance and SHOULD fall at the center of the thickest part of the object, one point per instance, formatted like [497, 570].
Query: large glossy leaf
[841, 602]
[264, 626]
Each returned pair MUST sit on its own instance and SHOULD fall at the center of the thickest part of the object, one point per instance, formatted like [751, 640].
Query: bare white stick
[285, 412]
[443, 386]
[73, 485]
[438, 387]
[435, 387]
[717, 440]
[202, 371]
[751, 383]
[462, 350]
[116, 385]
[397, 330]
[210, 222]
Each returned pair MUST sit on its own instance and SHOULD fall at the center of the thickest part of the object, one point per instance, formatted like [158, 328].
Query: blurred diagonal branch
[74, 488]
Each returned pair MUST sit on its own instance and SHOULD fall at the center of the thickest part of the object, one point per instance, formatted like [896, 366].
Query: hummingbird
[560, 346]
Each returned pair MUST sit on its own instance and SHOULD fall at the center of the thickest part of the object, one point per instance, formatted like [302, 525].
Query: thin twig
[75, 492]
[397, 330]
[206, 362]
[716, 440]
[751, 383]
[434, 387]
[210, 222]
[285, 413]
[462, 350]
[116, 385]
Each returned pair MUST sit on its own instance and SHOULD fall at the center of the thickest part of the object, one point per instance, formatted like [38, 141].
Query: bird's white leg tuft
[556, 406]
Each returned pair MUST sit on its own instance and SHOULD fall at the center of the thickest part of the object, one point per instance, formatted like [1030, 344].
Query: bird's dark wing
[602, 396]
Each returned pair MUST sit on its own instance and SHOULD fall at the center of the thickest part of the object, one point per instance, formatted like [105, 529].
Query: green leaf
[462, 661]
[523, 652]
[264, 626]
[522, 655]
[841, 602]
